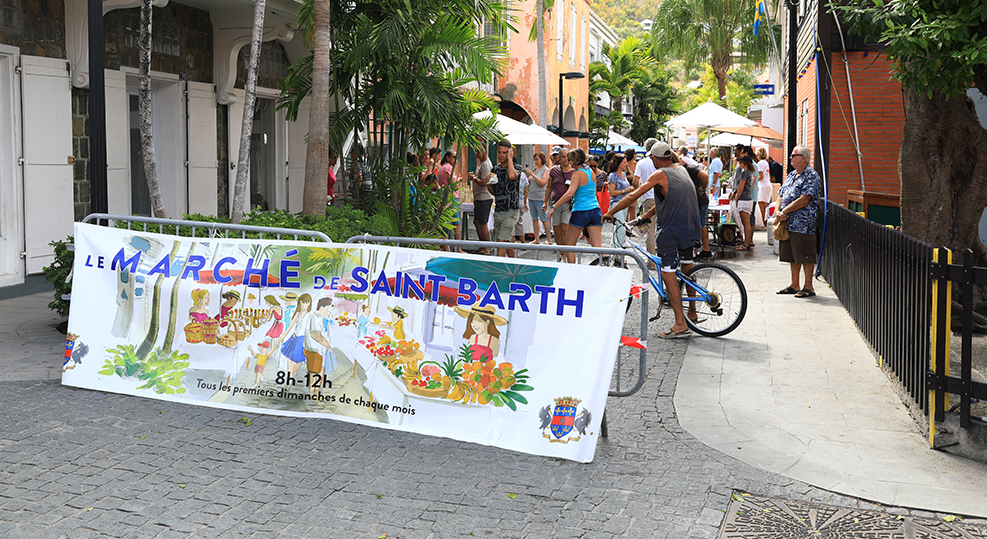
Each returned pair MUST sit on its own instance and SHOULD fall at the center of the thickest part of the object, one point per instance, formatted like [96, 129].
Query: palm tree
[249, 98]
[538, 36]
[739, 91]
[715, 31]
[416, 70]
[629, 63]
[654, 102]
[144, 111]
[317, 152]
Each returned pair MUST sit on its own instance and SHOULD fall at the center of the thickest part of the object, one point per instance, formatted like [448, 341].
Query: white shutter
[11, 197]
[559, 29]
[202, 160]
[573, 43]
[47, 118]
[117, 143]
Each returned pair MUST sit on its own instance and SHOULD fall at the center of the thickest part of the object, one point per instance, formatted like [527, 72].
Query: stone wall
[37, 27]
[182, 41]
[81, 192]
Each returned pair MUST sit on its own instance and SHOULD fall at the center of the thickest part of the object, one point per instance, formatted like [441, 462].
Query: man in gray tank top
[678, 214]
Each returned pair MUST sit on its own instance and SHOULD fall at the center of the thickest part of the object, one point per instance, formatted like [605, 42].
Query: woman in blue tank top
[586, 214]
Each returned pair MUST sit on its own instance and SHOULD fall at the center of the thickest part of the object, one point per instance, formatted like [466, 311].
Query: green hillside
[624, 16]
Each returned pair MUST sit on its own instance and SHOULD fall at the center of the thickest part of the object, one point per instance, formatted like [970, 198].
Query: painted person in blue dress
[799, 200]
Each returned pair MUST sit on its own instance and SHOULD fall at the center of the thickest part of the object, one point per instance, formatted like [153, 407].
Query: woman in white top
[764, 189]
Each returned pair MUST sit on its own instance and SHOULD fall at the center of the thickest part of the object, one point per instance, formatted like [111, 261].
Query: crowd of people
[569, 195]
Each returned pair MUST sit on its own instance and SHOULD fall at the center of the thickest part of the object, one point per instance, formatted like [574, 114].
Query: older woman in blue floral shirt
[799, 199]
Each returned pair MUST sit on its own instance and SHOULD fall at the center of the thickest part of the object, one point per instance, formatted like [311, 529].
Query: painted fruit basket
[422, 391]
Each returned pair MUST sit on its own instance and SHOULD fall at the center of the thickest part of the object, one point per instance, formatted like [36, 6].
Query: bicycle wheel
[725, 309]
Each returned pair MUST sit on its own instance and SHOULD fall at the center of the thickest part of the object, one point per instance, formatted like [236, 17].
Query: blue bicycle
[713, 296]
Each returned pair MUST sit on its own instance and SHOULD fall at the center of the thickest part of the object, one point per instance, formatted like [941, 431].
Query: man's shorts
[534, 206]
[313, 361]
[584, 218]
[504, 222]
[704, 215]
[745, 205]
[672, 257]
[481, 211]
[562, 214]
[798, 249]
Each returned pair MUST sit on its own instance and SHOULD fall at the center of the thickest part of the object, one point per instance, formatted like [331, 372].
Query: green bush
[339, 224]
[58, 272]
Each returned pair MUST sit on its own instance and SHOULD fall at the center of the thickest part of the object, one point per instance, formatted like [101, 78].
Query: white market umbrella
[616, 139]
[521, 133]
[708, 114]
[731, 139]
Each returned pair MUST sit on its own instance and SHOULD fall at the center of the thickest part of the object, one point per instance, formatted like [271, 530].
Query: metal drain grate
[754, 517]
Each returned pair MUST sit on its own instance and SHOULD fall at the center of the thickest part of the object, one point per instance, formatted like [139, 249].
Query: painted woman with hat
[481, 331]
[200, 305]
[397, 322]
[230, 299]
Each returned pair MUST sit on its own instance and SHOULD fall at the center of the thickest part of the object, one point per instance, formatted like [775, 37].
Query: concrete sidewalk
[32, 348]
[796, 390]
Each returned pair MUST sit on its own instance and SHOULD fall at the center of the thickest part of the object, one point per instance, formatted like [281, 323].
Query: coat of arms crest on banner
[563, 420]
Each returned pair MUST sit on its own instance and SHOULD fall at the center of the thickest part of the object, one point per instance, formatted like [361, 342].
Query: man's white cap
[660, 149]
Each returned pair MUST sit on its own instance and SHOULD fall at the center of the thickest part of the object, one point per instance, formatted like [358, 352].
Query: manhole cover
[763, 518]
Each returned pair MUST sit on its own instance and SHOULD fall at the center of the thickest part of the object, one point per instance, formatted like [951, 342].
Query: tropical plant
[627, 63]
[161, 371]
[417, 71]
[717, 32]
[57, 274]
[655, 100]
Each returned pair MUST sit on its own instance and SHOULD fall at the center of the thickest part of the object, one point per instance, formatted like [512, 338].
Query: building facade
[844, 94]
[198, 68]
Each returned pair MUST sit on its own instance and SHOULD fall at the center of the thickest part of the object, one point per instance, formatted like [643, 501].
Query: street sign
[764, 89]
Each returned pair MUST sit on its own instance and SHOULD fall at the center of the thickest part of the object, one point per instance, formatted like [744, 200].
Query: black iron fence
[940, 382]
[882, 279]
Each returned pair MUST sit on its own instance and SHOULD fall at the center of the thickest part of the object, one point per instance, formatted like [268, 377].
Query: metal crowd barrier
[642, 365]
[211, 230]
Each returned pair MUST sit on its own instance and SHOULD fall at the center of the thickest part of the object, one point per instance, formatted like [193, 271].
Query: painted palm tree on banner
[717, 32]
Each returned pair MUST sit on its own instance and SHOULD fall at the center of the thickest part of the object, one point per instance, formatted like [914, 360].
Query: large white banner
[514, 354]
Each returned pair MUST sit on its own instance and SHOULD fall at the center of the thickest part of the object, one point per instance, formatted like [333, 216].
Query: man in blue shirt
[799, 198]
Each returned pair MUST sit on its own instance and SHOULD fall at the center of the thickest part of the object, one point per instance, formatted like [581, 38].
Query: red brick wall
[880, 120]
[806, 91]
